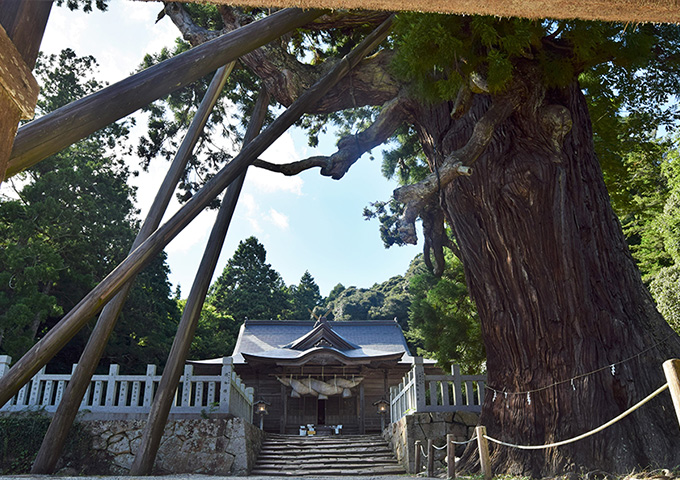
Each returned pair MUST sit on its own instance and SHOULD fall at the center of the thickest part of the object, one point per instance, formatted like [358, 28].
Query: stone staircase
[338, 455]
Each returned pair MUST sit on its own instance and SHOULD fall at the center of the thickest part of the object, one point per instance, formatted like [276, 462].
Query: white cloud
[118, 38]
[63, 30]
[278, 219]
[269, 182]
[195, 233]
[252, 212]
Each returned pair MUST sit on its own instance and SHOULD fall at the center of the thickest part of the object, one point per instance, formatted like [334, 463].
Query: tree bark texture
[557, 291]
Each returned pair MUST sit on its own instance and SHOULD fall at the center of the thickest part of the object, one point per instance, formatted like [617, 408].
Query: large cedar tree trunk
[557, 291]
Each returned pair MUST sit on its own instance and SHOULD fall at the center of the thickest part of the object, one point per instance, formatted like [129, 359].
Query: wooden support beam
[672, 370]
[22, 24]
[25, 22]
[9, 121]
[72, 322]
[55, 437]
[16, 79]
[158, 416]
[284, 403]
[75, 121]
[362, 409]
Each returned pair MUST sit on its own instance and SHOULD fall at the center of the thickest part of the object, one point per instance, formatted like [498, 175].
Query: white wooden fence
[419, 392]
[116, 396]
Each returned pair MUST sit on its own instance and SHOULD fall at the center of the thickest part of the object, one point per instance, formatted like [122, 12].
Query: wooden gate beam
[160, 409]
[55, 437]
[72, 322]
[53, 132]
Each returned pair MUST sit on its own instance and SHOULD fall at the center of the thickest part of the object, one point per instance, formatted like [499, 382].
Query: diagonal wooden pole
[55, 438]
[72, 322]
[158, 416]
[49, 134]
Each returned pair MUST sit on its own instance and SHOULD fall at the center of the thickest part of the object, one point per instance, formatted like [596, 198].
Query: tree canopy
[249, 287]
[66, 224]
[305, 297]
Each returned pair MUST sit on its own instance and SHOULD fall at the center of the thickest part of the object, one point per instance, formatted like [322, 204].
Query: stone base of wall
[218, 446]
[403, 434]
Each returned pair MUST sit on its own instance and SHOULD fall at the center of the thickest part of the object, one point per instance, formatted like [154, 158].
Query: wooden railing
[419, 392]
[129, 396]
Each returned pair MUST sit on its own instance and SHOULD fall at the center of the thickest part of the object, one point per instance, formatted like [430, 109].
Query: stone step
[329, 459]
[323, 444]
[320, 438]
[326, 471]
[292, 453]
[338, 455]
[386, 455]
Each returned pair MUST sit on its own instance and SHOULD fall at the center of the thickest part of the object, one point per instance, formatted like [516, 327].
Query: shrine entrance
[322, 412]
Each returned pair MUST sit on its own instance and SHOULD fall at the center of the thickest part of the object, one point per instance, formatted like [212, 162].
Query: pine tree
[67, 226]
[248, 286]
[305, 296]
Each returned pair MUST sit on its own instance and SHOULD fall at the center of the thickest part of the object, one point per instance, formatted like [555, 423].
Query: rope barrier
[611, 367]
[422, 451]
[587, 434]
[473, 439]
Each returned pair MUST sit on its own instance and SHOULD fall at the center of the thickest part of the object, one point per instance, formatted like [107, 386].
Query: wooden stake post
[72, 322]
[417, 457]
[483, 445]
[672, 370]
[450, 457]
[55, 438]
[430, 457]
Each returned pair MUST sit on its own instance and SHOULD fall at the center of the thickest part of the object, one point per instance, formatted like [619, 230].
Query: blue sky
[307, 222]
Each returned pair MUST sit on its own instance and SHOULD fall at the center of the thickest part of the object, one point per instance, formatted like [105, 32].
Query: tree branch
[351, 147]
[417, 195]
[294, 168]
[191, 32]
[286, 78]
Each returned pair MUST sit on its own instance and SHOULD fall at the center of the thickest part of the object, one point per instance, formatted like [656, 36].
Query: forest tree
[65, 224]
[499, 156]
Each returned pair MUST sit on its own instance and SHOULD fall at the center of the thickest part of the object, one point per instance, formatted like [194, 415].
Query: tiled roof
[258, 337]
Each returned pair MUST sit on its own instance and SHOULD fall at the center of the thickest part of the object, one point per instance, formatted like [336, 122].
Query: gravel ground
[194, 477]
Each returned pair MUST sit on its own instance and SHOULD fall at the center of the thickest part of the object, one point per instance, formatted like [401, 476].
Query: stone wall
[403, 434]
[220, 446]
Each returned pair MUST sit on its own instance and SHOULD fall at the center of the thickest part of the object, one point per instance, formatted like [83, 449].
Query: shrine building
[325, 373]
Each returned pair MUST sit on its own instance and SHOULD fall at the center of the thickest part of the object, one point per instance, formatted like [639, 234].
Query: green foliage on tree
[249, 287]
[443, 322]
[215, 335]
[170, 117]
[655, 231]
[305, 297]
[65, 225]
[640, 205]
[383, 301]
